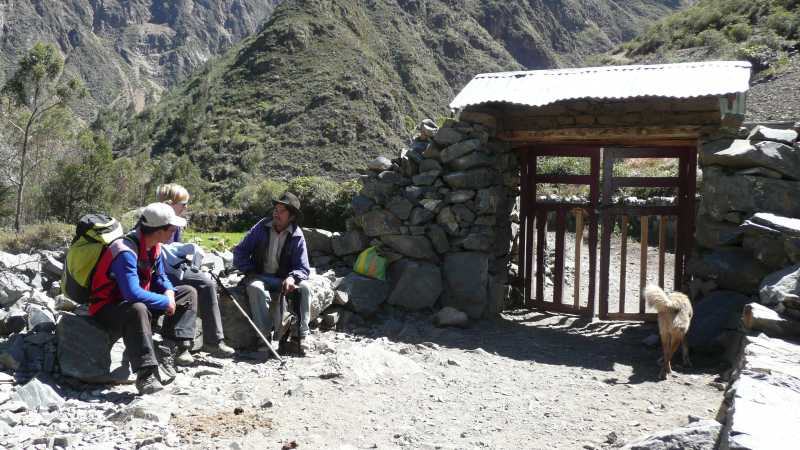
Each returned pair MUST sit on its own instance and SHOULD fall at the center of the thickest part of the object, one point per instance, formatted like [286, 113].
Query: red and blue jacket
[128, 272]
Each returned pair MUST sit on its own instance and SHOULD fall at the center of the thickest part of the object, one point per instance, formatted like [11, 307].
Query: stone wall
[748, 225]
[440, 213]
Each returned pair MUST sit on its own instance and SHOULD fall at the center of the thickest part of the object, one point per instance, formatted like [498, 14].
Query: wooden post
[623, 267]
[578, 245]
[558, 270]
[662, 248]
[643, 260]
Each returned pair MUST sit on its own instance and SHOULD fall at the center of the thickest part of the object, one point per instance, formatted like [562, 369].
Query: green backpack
[93, 233]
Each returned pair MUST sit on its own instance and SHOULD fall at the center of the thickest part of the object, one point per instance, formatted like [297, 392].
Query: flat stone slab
[764, 398]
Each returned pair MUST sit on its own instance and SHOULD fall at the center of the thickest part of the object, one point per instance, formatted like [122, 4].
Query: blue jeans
[263, 294]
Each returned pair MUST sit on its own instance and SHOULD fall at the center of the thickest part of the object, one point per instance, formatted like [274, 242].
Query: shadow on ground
[528, 335]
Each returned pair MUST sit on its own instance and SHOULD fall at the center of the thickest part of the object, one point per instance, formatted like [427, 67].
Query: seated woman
[181, 272]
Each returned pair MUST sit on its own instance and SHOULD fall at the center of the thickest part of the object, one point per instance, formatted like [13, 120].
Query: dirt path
[527, 381]
[632, 272]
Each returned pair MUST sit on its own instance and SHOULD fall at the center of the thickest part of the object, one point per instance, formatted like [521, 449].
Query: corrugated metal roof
[542, 87]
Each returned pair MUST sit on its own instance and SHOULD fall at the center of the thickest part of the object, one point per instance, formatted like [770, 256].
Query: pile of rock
[747, 226]
[28, 309]
[440, 214]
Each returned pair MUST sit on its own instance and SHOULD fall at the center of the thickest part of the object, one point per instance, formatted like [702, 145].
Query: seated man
[129, 289]
[274, 259]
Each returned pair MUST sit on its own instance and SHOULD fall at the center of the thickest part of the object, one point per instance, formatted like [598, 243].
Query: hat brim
[291, 208]
[178, 221]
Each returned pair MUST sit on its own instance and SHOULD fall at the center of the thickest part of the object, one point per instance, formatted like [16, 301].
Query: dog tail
[658, 299]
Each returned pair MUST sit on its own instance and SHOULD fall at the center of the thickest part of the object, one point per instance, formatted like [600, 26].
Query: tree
[84, 185]
[35, 92]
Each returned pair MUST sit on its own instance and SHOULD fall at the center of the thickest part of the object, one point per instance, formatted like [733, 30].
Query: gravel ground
[632, 273]
[527, 380]
[776, 98]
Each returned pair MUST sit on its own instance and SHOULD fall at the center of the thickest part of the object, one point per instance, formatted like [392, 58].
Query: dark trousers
[207, 302]
[132, 321]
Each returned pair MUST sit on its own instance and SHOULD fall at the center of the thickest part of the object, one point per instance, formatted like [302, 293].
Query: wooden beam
[646, 136]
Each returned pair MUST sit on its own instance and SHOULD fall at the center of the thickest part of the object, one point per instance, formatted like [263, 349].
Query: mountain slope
[329, 83]
[127, 50]
[764, 32]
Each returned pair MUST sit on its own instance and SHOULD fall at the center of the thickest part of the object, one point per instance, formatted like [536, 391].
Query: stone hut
[447, 210]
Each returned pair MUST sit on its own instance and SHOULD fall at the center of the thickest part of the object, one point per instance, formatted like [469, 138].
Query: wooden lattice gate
[547, 223]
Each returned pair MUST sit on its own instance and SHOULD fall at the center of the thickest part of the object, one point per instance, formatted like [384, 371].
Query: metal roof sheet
[542, 87]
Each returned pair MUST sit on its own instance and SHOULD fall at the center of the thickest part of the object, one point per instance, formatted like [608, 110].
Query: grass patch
[45, 236]
[214, 241]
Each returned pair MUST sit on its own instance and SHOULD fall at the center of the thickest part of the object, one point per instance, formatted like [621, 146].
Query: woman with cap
[183, 272]
[274, 258]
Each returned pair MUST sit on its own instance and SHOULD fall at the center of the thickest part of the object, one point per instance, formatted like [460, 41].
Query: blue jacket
[248, 255]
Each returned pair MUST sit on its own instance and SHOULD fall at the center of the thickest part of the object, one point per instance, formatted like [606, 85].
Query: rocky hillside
[327, 84]
[764, 32]
[128, 50]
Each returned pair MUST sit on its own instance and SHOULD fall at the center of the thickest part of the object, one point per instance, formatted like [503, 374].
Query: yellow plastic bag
[371, 264]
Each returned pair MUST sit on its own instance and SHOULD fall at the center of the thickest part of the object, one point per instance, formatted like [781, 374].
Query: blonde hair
[172, 194]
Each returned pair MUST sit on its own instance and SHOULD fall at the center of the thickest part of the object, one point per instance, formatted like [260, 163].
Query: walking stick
[244, 313]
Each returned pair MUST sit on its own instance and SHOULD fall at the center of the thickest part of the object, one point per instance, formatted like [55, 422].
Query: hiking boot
[182, 356]
[304, 344]
[220, 350]
[147, 382]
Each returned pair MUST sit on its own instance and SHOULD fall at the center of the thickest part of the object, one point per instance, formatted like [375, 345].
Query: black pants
[132, 321]
[207, 302]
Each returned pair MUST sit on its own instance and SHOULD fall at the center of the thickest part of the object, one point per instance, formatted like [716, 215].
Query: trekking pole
[244, 313]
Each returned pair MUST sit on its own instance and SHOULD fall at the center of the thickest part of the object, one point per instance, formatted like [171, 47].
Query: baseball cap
[160, 214]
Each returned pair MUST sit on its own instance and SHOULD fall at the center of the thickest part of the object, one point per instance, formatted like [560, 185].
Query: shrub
[255, 199]
[45, 236]
[783, 22]
[738, 32]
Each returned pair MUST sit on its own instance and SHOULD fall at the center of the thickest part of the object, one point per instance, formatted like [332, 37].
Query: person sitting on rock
[130, 289]
[274, 258]
[181, 273]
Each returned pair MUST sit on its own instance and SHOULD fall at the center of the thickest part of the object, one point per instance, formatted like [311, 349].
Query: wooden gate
[537, 213]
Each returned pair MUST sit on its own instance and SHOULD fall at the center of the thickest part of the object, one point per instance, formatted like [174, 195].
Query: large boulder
[379, 223]
[710, 233]
[701, 435]
[362, 294]
[466, 277]
[742, 154]
[84, 351]
[318, 240]
[723, 194]
[781, 288]
[459, 149]
[239, 333]
[762, 133]
[770, 238]
[447, 136]
[418, 247]
[12, 288]
[400, 207]
[470, 179]
[731, 268]
[416, 284]
[348, 243]
[22, 262]
[715, 315]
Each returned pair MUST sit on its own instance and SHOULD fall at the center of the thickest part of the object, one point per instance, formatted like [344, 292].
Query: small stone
[207, 372]
[266, 404]
[380, 164]
[238, 411]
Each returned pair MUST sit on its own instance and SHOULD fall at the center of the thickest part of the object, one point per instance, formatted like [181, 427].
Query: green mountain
[127, 50]
[764, 32]
[329, 83]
